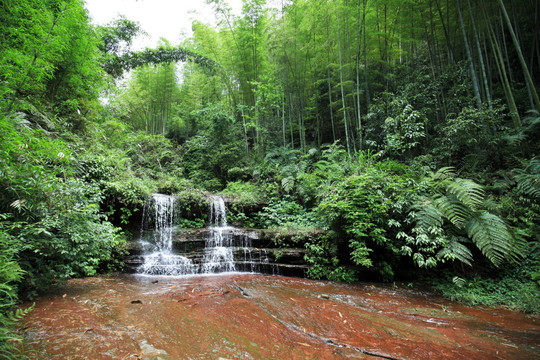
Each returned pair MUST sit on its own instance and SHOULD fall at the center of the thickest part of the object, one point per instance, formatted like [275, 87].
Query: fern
[287, 183]
[528, 180]
[428, 215]
[454, 210]
[19, 314]
[491, 235]
[444, 173]
[459, 282]
[7, 336]
[457, 207]
[531, 122]
[467, 192]
[456, 250]
[438, 180]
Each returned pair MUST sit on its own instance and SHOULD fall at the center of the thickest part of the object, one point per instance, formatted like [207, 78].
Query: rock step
[292, 256]
[253, 250]
[131, 266]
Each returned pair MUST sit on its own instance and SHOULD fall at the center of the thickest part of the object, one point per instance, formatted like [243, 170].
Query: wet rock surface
[253, 251]
[246, 316]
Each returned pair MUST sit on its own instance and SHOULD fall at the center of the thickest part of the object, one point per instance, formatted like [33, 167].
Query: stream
[250, 316]
[196, 303]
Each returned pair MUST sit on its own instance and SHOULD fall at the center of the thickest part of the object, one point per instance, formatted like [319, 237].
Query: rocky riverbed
[247, 316]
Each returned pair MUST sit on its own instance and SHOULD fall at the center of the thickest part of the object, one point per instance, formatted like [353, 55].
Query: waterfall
[222, 248]
[162, 261]
[163, 221]
[218, 252]
[218, 213]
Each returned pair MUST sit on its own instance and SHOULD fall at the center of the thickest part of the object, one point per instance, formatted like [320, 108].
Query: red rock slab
[246, 316]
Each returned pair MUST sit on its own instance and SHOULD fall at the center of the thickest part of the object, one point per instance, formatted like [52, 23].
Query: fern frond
[453, 209]
[456, 250]
[428, 216]
[444, 173]
[528, 180]
[514, 139]
[18, 314]
[287, 183]
[531, 121]
[459, 282]
[491, 235]
[467, 191]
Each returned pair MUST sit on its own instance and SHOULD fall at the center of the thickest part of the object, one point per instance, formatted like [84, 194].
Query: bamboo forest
[291, 179]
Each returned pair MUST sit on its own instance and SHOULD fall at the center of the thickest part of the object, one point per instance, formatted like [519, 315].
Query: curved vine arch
[116, 65]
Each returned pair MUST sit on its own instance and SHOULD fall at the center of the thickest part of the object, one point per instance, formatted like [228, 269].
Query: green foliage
[395, 126]
[452, 212]
[322, 256]
[149, 101]
[365, 209]
[523, 139]
[127, 166]
[9, 340]
[472, 137]
[512, 286]
[192, 207]
[243, 199]
[284, 212]
[282, 166]
[242, 192]
[10, 274]
[70, 239]
[55, 219]
[116, 37]
[207, 156]
[116, 65]
[528, 179]
[49, 55]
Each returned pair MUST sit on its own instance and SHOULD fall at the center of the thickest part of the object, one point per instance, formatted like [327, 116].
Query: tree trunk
[446, 33]
[480, 57]
[470, 59]
[526, 73]
[341, 85]
[359, 114]
[499, 60]
[331, 106]
[368, 100]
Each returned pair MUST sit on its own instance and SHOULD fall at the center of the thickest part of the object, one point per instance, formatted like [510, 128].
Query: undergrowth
[515, 288]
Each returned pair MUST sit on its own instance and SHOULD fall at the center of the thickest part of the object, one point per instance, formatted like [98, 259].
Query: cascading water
[226, 249]
[218, 212]
[162, 261]
[218, 252]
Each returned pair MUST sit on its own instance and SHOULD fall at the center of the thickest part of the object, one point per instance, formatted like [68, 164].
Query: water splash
[226, 249]
[218, 252]
[162, 261]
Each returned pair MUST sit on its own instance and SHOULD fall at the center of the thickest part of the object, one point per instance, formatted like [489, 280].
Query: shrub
[284, 212]
[10, 274]
[365, 210]
[193, 208]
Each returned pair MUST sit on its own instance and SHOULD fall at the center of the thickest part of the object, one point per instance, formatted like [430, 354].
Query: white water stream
[162, 261]
[219, 248]
[218, 252]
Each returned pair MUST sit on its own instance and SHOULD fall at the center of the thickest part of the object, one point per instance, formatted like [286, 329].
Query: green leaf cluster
[56, 222]
[453, 213]
[10, 275]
